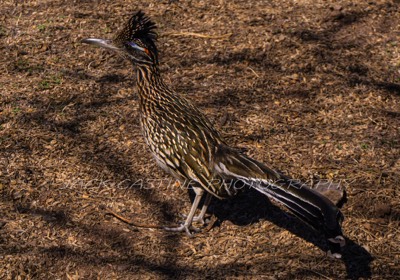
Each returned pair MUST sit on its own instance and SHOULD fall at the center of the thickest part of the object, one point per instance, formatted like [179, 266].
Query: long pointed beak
[107, 44]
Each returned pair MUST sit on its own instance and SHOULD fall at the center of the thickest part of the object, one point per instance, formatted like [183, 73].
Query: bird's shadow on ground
[251, 207]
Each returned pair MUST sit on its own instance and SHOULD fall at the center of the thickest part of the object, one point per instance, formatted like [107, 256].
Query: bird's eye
[137, 47]
[132, 44]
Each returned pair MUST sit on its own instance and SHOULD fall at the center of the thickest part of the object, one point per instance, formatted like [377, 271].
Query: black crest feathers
[139, 27]
[140, 30]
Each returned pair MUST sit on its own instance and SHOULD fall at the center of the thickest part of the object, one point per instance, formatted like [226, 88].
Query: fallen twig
[199, 35]
[129, 222]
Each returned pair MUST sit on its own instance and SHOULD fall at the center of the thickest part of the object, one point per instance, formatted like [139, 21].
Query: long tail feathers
[309, 205]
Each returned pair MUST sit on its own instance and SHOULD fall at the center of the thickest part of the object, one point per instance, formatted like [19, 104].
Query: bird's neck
[151, 86]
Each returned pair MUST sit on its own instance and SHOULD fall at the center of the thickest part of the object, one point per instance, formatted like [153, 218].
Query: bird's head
[136, 41]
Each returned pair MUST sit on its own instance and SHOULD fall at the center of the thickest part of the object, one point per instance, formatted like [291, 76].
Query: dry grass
[309, 87]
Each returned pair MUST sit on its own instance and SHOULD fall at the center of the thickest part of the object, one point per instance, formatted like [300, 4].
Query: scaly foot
[183, 227]
[198, 219]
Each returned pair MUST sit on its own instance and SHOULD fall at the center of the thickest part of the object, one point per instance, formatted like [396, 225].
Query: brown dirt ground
[310, 87]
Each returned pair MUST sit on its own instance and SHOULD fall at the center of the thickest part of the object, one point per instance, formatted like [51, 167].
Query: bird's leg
[187, 225]
[200, 217]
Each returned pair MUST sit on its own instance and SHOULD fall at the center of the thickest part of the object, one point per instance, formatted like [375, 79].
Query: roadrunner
[185, 143]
